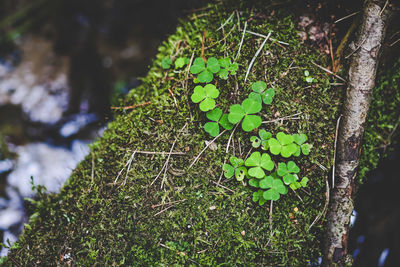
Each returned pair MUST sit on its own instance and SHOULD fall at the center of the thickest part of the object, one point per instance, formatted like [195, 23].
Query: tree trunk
[363, 66]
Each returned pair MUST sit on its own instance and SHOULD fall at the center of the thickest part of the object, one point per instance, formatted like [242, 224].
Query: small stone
[243, 233]
[213, 208]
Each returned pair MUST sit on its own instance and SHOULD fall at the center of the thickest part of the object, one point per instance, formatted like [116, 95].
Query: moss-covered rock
[98, 219]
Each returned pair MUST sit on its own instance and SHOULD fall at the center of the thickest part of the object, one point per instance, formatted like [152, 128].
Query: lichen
[94, 221]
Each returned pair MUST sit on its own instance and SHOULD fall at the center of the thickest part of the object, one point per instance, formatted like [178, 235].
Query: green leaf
[223, 74]
[233, 68]
[295, 185]
[207, 104]
[259, 86]
[264, 135]
[284, 139]
[271, 194]
[261, 201]
[236, 162]
[256, 196]
[267, 182]
[166, 63]
[305, 149]
[236, 113]
[224, 62]
[199, 94]
[255, 97]
[254, 159]
[268, 96]
[309, 79]
[212, 128]
[259, 162]
[289, 178]
[282, 169]
[304, 181]
[300, 138]
[205, 76]
[250, 122]
[250, 106]
[180, 62]
[254, 183]
[255, 141]
[197, 66]
[306, 73]
[211, 91]
[225, 122]
[228, 170]
[274, 146]
[213, 65]
[214, 114]
[240, 173]
[288, 150]
[292, 167]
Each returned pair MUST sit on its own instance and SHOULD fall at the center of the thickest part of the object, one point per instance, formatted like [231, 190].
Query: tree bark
[362, 71]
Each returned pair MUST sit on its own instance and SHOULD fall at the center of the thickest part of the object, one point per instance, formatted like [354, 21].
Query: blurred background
[64, 63]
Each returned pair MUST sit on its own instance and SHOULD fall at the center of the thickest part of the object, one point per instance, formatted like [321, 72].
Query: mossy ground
[94, 221]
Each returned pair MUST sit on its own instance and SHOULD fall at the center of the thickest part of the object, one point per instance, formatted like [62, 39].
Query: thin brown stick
[168, 203]
[169, 155]
[160, 153]
[202, 45]
[161, 211]
[328, 71]
[346, 17]
[325, 209]
[212, 141]
[230, 138]
[224, 187]
[133, 106]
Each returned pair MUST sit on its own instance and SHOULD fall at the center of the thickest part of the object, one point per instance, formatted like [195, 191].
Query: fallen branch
[133, 106]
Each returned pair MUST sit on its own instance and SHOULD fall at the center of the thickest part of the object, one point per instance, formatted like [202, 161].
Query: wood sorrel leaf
[197, 66]
[225, 122]
[214, 114]
[236, 113]
[212, 128]
[213, 65]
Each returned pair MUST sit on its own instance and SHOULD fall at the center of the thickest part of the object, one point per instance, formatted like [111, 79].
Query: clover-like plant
[283, 144]
[259, 163]
[275, 187]
[180, 62]
[205, 95]
[166, 63]
[308, 78]
[258, 196]
[262, 140]
[217, 119]
[236, 169]
[226, 67]
[244, 111]
[206, 71]
[297, 185]
[288, 172]
[261, 93]
[300, 140]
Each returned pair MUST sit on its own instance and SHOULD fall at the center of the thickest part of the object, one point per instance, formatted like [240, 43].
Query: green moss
[383, 119]
[98, 222]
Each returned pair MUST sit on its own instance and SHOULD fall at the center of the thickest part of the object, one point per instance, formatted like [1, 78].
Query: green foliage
[300, 140]
[217, 118]
[245, 112]
[180, 62]
[261, 93]
[236, 169]
[262, 140]
[276, 188]
[204, 70]
[205, 95]
[308, 78]
[166, 63]
[259, 163]
[282, 144]
[288, 171]
[226, 68]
